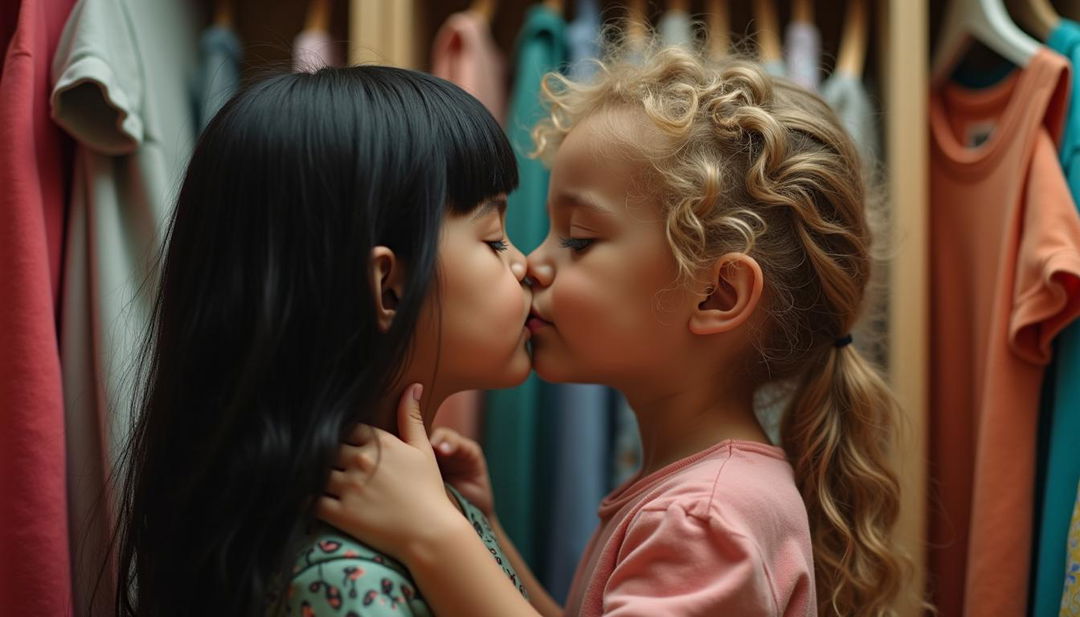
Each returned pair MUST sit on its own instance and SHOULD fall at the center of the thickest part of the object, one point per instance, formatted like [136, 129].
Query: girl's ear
[730, 296]
[387, 278]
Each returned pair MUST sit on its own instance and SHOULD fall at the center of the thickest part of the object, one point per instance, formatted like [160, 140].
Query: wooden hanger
[679, 5]
[556, 6]
[1038, 16]
[223, 13]
[1070, 9]
[852, 55]
[637, 22]
[485, 9]
[719, 21]
[986, 21]
[768, 31]
[318, 16]
[802, 11]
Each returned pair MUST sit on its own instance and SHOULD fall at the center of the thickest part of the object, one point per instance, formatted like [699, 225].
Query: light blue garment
[676, 29]
[802, 54]
[579, 457]
[218, 78]
[1061, 411]
[512, 427]
[626, 442]
[583, 40]
[775, 67]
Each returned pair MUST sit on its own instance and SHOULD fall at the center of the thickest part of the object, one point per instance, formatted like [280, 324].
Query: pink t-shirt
[721, 532]
[35, 181]
[464, 53]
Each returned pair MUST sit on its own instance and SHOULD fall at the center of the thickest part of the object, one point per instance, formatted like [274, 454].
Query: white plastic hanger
[989, 23]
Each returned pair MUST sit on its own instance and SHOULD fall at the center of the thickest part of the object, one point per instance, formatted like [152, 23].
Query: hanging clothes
[775, 67]
[1061, 408]
[676, 29]
[220, 53]
[802, 54]
[1070, 596]
[1005, 261]
[465, 53]
[583, 40]
[847, 96]
[35, 167]
[314, 49]
[512, 427]
[122, 76]
[580, 449]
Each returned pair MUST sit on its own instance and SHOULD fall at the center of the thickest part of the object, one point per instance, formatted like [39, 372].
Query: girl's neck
[676, 423]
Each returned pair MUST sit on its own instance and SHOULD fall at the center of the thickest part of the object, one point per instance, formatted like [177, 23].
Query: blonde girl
[708, 238]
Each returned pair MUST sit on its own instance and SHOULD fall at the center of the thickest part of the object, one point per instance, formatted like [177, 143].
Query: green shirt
[335, 574]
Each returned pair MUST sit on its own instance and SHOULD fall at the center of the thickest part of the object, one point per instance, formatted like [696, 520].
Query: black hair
[264, 346]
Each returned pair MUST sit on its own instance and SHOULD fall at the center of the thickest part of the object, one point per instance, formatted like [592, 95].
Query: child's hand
[388, 492]
[463, 466]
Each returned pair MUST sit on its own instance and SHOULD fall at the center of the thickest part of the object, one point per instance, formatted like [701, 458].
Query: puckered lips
[536, 321]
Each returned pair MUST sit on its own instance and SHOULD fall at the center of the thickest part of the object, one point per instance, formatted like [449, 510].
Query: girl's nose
[517, 263]
[540, 273]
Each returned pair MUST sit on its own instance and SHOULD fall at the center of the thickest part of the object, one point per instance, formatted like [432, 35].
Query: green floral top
[335, 574]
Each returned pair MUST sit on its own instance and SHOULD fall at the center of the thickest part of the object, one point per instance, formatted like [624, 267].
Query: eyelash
[576, 244]
[498, 245]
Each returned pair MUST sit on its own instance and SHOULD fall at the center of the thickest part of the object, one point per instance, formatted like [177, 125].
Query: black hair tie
[843, 341]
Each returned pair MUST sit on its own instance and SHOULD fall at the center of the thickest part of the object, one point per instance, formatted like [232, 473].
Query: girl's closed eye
[498, 246]
[577, 244]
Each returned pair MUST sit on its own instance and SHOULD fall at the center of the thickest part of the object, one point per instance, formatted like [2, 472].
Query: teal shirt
[336, 574]
[512, 428]
[1061, 410]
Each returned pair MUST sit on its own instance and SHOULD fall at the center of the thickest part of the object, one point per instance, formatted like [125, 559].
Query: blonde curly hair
[756, 164]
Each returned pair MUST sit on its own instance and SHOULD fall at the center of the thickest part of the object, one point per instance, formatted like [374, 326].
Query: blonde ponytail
[838, 435]
[756, 164]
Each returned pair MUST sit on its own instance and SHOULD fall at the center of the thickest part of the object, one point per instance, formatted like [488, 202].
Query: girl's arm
[463, 466]
[416, 522]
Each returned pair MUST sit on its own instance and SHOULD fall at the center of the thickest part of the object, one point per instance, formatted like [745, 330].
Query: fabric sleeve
[350, 587]
[1047, 286]
[674, 563]
[97, 80]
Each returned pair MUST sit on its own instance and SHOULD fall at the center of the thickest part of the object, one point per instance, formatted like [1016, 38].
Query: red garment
[1005, 273]
[35, 165]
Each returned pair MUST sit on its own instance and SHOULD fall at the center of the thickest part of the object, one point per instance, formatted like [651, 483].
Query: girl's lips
[536, 322]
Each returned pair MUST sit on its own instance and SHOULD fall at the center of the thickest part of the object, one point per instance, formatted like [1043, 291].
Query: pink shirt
[35, 181]
[464, 53]
[721, 532]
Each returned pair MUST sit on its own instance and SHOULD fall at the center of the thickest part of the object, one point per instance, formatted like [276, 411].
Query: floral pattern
[337, 575]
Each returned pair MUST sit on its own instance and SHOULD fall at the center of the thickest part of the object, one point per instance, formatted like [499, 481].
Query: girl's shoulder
[335, 574]
[744, 484]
